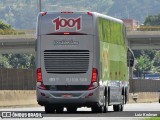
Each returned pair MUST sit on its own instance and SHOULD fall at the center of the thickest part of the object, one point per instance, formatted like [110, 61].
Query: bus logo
[70, 23]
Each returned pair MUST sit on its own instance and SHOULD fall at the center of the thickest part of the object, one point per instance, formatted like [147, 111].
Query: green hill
[22, 13]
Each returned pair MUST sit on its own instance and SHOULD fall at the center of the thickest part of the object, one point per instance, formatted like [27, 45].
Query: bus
[82, 60]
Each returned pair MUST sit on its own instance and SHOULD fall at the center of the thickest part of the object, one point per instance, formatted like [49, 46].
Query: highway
[131, 111]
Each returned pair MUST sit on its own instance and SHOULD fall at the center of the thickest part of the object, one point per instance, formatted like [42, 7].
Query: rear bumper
[77, 98]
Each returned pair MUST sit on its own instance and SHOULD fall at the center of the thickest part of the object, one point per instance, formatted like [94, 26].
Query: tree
[4, 26]
[144, 65]
[152, 20]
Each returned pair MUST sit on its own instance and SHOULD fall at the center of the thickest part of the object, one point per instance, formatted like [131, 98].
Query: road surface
[131, 111]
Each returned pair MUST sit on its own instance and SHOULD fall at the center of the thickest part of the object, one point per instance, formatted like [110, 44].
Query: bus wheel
[71, 109]
[105, 104]
[49, 109]
[97, 109]
[118, 107]
[59, 110]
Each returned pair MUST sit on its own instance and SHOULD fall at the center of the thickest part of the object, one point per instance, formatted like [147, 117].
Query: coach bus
[82, 60]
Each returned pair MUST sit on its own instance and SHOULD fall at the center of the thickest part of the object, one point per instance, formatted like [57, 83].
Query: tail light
[94, 82]
[40, 84]
[90, 13]
[94, 75]
[39, 75]
[44, 13]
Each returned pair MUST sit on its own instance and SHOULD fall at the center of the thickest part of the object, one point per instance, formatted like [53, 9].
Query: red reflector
[90, 13]
[43, 94]
[90, 94]
[44, 13]
[94, 75]
[39, 75]
[67, 12]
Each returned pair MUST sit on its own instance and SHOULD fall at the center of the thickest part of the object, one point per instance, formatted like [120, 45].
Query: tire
[59, 109]
[49, 109]
[105, 104]
[97, 109]
[118, 107]
[71, 109]
[126, 95]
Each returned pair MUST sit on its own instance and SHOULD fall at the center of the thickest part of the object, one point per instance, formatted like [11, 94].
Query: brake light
[66, 33]
[44, 13]
[94, 82]
[94, 75]
[90, 13]
[39, 75]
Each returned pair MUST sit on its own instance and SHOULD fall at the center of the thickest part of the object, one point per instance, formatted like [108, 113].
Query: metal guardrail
[144, 85]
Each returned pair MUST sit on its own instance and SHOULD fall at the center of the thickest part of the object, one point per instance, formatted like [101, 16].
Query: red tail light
[44, 13]
[39, 75]
[94, 83]
[90, 13]
[94, 75]
[40, 84]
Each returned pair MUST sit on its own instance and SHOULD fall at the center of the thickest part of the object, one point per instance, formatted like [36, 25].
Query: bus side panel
[113, 57]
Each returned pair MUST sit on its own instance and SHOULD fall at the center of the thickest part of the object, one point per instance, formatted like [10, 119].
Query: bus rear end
[66, 73]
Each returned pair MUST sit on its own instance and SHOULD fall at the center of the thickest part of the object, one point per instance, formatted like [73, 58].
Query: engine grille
[66, 61]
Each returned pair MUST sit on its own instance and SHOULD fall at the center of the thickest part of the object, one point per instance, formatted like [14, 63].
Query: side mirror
[130, 58]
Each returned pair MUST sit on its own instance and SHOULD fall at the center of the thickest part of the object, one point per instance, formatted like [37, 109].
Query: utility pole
[40, 6]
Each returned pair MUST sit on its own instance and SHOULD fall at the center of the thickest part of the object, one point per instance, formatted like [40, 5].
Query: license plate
[67, 95]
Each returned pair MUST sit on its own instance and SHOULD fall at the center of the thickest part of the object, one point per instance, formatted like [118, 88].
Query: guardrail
[143, 28]
[33, 31]
[17, 32]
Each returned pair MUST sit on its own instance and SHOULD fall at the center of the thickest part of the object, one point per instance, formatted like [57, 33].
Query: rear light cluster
[90, 13]
[40, 84]
[94, 82]
[93, 85]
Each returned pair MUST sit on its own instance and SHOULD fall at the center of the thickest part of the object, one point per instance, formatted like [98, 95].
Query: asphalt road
[131, 111]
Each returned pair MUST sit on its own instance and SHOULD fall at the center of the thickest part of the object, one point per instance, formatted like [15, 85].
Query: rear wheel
[97, 109]
[49, 109]
[59, 110]
[118, 107]
[71, 109]
[105, 104]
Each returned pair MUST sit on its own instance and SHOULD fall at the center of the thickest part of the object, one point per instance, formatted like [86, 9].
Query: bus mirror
[130, 58]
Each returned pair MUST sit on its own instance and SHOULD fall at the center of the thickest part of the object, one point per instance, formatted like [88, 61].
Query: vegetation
[152, 20]
[14, 60]
[22, 14]
[6, 29]
[148, 61]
